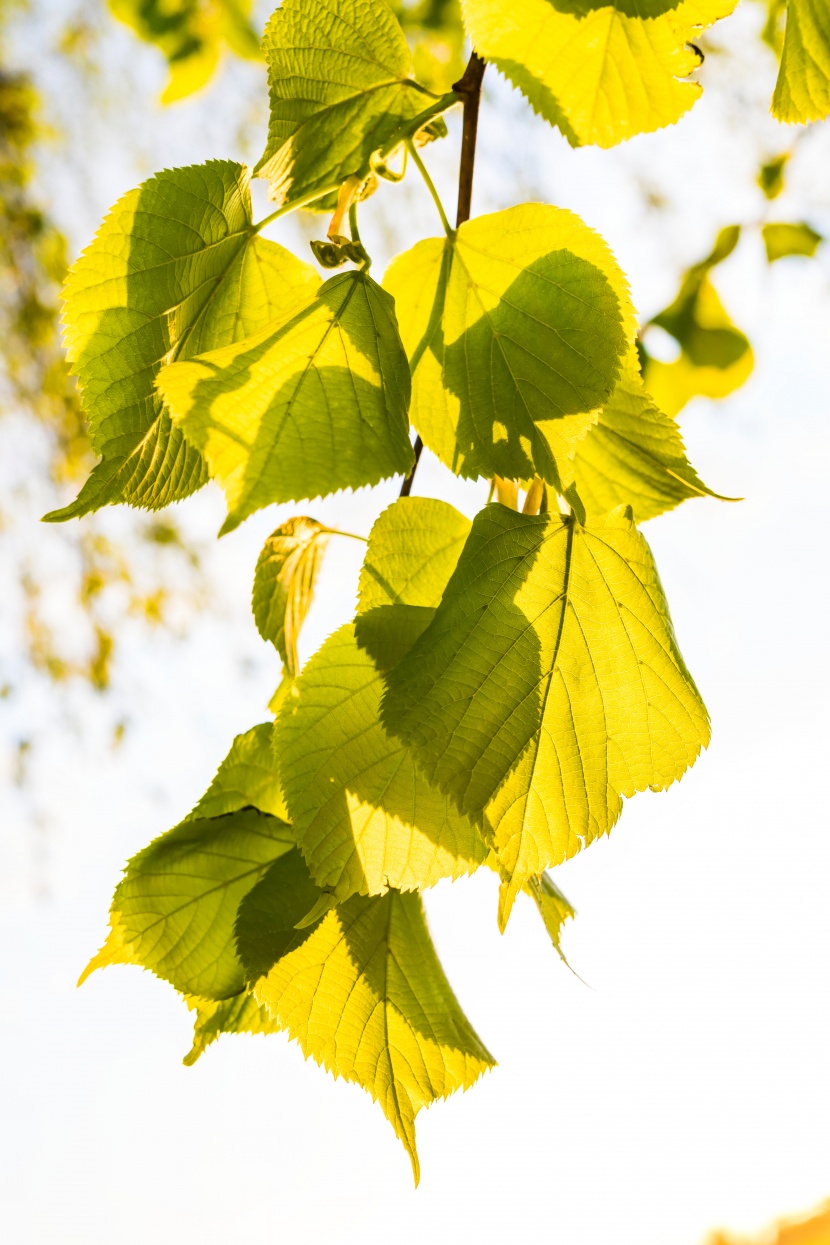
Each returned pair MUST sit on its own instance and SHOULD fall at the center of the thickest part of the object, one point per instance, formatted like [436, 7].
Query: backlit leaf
[516, 329]
[266, 924]
[715, 356]
[601, 72]
[316, 403]
[239, 1014]
[173, 271]
[286, 572]
[191, 34]
[366, 819]
[178, 899]
[782, 239]
[634, 455]
[802, 92]
[413, 549]
[338, 72]
[554, 908]
[366, 997]
[247, 778]
[548, 685]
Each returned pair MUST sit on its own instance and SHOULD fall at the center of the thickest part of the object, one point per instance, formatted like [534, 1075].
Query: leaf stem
[430, 185]
[295, 204]
[468, 88]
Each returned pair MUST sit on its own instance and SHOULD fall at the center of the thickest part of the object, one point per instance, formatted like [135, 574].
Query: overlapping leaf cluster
[506, 682]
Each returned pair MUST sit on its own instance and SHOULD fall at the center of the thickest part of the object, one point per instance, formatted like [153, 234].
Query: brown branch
[469, 88]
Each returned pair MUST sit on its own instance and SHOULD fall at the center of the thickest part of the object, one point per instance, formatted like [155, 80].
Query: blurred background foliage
[812, 1229]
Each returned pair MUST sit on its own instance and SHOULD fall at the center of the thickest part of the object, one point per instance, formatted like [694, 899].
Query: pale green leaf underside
[338, 75]
[516, 329]
[173, 271]
[366, 997]
[316, 403]
[634, 455]
[782, 239]
[178, 899]
[600, 72]
[802, 92]
[548, 685]
[247, 778]
[366, 819]
[239, 1014]
[286, 572]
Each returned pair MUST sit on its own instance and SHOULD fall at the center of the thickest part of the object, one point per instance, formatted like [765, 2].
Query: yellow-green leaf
[601, 72]
[782, 239]
[715, 357]
[634, 455]
[239, 1014]
[284, 580]
[516, 328]
[549, 685]
[247, 778]
[316, 403]
[366, 997]
[365, 818]
[174, 270]
[553, 907]
[802, 92]
[338, 72]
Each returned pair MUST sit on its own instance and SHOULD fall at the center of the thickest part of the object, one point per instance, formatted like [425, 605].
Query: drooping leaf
[239, 1014]
[554, 908]
[715, 357]
[366, 997]
[802, 92]
[365, 817]
[782, 239]
[516, 329]
[190, 34]
[175, 270]
[601, 72]
[338, 72]
[284, 580]
[549, 685]
[247, 778]
[413, 549]
[316, 403]
[634, 455]
[267, 923]
[178, 900]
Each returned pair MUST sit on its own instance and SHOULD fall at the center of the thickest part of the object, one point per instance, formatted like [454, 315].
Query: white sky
[688, 1086]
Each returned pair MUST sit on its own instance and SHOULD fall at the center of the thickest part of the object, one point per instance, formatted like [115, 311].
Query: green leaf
[366, 997]
[365, 818]
[783, 239]
[802, 92]
[715, 357]
[338, 72]
[601, 72]
[266, 926]
[174, 270]
[634, 455]
[239, 1014]
[190, 33]
[247, 778]
[316, 403]
[548, 685]
[553, 907]
[413, 549]
[771, 175]
[178, 899]
[516, 328]
[284, 580]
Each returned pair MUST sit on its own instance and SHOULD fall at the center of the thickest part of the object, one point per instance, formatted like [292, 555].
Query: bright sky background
[687, 1086]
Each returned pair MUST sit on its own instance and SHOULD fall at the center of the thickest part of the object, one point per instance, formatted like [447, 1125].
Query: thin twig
[468, 88]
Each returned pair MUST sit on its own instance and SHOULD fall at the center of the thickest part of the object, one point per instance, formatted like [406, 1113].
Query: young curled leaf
[284, 580]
